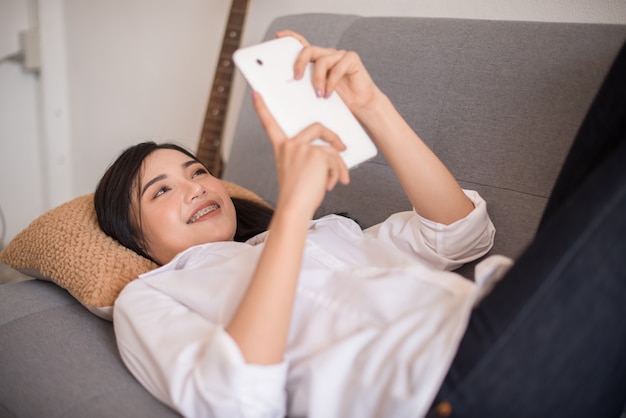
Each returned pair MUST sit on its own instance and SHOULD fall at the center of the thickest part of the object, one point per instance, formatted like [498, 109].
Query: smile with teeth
[202, 212]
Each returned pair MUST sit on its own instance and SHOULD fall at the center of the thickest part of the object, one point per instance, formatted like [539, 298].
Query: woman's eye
[160, 192]
[200, 171]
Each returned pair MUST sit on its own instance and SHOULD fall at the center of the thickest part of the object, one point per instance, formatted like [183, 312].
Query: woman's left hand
[335, 70]
[433, 191]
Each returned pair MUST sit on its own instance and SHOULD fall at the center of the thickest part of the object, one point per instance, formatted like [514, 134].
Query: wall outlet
[29, 42]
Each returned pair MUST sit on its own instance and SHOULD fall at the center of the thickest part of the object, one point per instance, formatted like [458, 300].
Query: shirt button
[443, 409]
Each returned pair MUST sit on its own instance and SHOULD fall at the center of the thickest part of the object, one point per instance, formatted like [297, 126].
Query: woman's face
[181, 205]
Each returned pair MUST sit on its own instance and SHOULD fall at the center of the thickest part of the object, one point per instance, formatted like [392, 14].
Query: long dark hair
[114, 196]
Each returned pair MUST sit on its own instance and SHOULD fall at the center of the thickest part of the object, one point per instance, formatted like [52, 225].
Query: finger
[307, 55]
[274, 132]
[344, 173]
[319, 131]
[283, 33]
[347, 65]
[324, 67]
[333, 177]
[338, 172]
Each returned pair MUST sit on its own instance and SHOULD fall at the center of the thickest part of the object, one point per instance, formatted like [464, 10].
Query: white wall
[262, 12]
[138, 70]
[21, 164]
[142, 69]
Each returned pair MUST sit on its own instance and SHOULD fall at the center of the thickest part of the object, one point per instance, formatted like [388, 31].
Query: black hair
[113, 200]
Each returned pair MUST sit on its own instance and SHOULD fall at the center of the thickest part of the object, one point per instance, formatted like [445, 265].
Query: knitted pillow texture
[66, 246]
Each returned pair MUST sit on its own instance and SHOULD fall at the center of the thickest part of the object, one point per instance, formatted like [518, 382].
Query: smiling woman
[158, 199]
[172, 210]
[267, 318]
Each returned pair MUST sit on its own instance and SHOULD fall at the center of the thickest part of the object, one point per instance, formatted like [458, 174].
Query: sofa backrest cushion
[498, 102]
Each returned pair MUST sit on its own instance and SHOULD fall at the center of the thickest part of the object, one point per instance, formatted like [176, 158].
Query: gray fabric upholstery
[59, 360]
[499, 102]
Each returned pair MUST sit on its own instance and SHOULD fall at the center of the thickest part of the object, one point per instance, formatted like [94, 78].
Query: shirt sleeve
[444, 247]
[188, 362]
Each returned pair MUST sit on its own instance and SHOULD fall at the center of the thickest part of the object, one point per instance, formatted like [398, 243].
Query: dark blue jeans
[550, 339]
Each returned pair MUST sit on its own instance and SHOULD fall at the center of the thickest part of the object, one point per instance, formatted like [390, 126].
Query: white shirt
[375, 325]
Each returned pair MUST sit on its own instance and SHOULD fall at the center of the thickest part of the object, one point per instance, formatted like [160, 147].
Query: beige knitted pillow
[66, 246]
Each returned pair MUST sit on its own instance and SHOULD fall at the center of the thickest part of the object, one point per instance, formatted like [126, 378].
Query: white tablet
[268, 68]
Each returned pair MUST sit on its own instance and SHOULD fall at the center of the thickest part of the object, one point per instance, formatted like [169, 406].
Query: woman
[313, 318]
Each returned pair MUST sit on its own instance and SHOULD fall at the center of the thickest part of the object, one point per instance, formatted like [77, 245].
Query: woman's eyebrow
[189, 163]
[151, 182]
[163, 176]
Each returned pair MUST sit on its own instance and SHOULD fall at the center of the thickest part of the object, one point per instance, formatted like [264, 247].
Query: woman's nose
[195, 190]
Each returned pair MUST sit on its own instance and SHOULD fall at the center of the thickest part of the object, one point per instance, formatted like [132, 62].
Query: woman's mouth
[204, 211]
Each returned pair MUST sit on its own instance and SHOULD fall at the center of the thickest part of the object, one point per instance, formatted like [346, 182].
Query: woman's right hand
[305, 171]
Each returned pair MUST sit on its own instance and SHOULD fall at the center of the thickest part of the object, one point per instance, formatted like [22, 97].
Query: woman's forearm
[429, 185]
[261, 323]
[305, 172]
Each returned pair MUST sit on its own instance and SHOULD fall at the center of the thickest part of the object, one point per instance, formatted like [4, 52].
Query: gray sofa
[498, 101]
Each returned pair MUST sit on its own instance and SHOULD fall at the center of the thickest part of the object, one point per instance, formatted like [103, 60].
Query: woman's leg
[599, 135]
[550, 339]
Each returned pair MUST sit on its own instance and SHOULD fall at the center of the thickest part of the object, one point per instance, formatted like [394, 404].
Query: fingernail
[318, 93]
[297, 74]
[254, 95]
